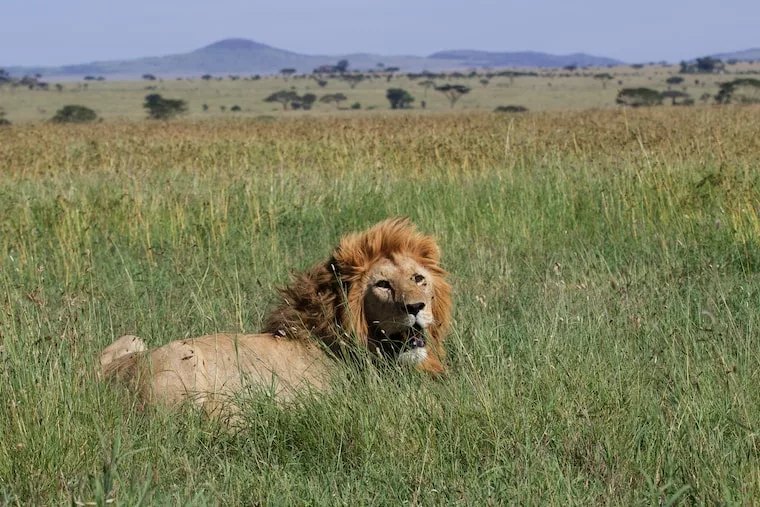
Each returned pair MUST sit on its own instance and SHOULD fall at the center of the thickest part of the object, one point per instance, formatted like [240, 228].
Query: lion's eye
[383, 284]
[418, 278]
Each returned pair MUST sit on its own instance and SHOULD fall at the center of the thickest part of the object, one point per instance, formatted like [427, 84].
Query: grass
[605, 267]
[552, 91]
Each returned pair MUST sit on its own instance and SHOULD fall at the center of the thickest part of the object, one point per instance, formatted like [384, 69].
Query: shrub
[356, 105]
[510, 109]
[74, 114]
[160, 108]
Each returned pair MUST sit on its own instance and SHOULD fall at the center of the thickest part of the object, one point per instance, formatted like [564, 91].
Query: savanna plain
[605, 271]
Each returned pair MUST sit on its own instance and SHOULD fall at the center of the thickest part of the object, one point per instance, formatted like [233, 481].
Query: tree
[705, 65]
[236, 109]
[427, 84]
[453, 92]
[74, 114]
[743, 91]
[484, 82]
[284, 97]
[149, 77]
[639, 97]
[353, 79]
[675, 95]
[341, 66]
[207, 77]
[286, 73]
[59, 87]
[336, 98]
[705, 98]
[3, 120]
[674, 80]
[307, 100]
[4, 76]
[160, 108]
[399, 98]
[604, 77]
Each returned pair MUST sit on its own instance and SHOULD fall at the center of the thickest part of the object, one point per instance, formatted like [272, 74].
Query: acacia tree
[678, 98]
[160, 108]
[453, 92]
[336, 98]
[307, 100]
[74, 114]
[604, 77]
[743, 91]
[286, 73]
[427, 84]
[639, 97]
[399, 98]
[284, 97]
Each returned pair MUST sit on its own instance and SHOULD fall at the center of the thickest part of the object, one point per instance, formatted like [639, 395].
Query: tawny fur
[322, 310]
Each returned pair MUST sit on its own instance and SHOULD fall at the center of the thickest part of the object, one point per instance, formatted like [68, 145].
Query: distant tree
[678, 98]
[353, 79]
[335, 98]
[704, 65]
[3, 120]
[399, 98]
[74, 114]
[149, 77]
[322, 83]
[160, 108]
[207, 77]
[59, 87]
[453, 92]
[286, 73]
[356, 105]
[637, 66]
[705, 98]
[236, 109]
[484, 82]
[571, 68]
[90, 78]
[427, 84]
[307, 100]
[604, 77]
[284, 97]
[341, 66]
[639, 97]
[511, 109]
[674, 80]
[204, 107]
[742, 91]
[4, 76]
[391, 70]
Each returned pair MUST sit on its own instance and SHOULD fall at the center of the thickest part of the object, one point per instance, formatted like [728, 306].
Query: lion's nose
[415, 308]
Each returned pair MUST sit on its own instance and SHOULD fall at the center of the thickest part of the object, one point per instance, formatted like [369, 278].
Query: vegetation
[639, 97]
[706, 65]
[742, 91]
[511, 109]
[74, 114]
[399, 98]
[284, 97]
[453, 92]
[333, 98]
[160, 108]
[605, 267]
[3, 120]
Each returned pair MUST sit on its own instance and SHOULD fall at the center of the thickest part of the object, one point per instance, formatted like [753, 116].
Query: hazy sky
[54, 32]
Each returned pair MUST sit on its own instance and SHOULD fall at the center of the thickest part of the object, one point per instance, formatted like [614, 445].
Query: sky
[57, 32]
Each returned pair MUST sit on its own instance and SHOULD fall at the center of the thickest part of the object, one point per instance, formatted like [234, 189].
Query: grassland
[550, 91]
[605, 346]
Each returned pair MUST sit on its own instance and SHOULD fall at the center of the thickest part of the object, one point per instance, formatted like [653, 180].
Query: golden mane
[326, 301]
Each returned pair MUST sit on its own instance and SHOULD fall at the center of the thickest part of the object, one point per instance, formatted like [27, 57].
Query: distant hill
[243, 56]
[747, 54]
[523, 59]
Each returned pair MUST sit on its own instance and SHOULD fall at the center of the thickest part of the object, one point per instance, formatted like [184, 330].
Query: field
[549, 91]
[605, 271]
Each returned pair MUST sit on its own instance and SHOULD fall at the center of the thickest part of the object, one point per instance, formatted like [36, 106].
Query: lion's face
[398, 306]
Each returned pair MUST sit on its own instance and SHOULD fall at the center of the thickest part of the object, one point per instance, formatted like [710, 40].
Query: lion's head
[383, 288]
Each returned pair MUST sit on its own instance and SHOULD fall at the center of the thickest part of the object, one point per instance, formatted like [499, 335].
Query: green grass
[605, 271]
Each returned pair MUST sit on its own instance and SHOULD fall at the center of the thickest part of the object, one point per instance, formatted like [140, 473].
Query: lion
[382, 291]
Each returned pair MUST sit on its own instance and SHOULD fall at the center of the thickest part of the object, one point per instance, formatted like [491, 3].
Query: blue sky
[54, 32]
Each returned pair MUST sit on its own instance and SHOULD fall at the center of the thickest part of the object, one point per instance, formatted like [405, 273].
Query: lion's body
[382, 291]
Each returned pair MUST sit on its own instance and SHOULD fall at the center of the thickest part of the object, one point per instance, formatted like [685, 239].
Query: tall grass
[604, 350]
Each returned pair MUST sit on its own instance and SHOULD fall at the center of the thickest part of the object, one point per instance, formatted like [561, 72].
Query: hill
[745, 55]
[474, 58]
[243, 56]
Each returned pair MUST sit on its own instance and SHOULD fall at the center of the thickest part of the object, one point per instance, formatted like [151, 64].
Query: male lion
[382, 290]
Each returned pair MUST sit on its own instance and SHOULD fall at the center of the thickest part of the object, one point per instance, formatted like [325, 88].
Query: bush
[74, 114]
[236, 108]
[160, 108]
[639, 97]
[356, 105]
[399, 98]
[510, 109]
